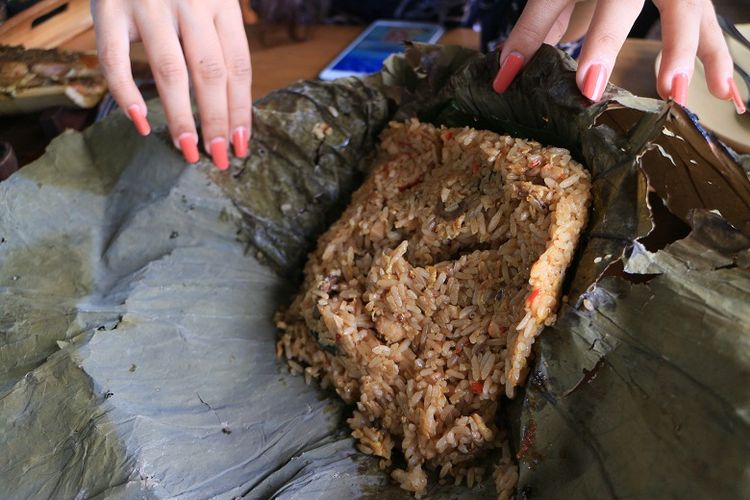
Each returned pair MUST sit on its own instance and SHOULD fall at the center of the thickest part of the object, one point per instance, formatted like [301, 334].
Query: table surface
[285, 62]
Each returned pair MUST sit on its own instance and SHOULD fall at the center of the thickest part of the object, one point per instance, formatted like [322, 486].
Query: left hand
[689, 28]
[185, 40]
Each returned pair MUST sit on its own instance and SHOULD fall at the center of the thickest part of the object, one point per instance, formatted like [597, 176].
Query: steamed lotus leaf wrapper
[137, 364]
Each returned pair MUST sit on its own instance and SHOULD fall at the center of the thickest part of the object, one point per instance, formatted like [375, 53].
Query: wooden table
[278, 66]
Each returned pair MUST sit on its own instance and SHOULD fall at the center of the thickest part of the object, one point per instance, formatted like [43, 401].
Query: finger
[237, 59]
[609, 28]
[714, 53]
[527, 36]
[680, 22]
[113, 51]
[205, 59]
[170, 73]
[560, 26]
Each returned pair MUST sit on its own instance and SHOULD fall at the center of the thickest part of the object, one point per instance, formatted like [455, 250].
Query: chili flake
[532, 296]
[476, 387]
[411, 184]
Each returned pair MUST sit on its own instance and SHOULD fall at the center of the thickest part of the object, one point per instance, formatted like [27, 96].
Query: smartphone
[382, 38]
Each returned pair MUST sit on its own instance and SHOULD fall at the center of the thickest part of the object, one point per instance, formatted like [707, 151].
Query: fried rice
[421, 303]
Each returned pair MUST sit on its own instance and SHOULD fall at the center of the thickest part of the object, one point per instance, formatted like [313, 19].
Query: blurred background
[321, 28]
[485, 14]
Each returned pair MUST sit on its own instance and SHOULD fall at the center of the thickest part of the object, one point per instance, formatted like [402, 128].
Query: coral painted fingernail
[734, 94]
[189, 146]
[679, 89]
[239, 142]
[595, 82]
[219, 153]
[139, 119]
[508, 71]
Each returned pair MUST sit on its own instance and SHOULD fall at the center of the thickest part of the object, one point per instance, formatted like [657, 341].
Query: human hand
[185, 40]
[689, 27]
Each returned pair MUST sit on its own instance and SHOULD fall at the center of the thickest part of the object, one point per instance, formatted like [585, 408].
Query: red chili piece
[411, 184]
[476, 387]
[527, 442]
[532, 296]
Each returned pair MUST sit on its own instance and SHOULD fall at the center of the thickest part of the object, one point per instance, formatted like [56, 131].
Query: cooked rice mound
[421, 303]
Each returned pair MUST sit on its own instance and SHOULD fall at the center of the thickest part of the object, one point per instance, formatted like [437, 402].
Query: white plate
[717, 115]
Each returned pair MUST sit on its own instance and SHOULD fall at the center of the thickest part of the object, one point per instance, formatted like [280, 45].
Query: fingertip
[594, 80]
[714, 53]
[218, 148]
[734, 95]
[137, 114]
[679, 88]
[240, 138]
[664, 84]
[718, 84]
[188, 144]
[509, 68]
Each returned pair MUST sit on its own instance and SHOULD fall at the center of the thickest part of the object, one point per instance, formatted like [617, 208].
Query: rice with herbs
[421, 303]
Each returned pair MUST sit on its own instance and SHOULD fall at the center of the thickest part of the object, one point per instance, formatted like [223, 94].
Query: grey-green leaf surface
[137, 353]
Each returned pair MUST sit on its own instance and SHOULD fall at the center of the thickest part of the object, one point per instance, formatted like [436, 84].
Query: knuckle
[606, 39]
[240, 115]
[110, 60]
[170, 70]
[551, 4]
[679, 6]
[180, 126]
[118, 86]
[212, 71]
[528, 34]
[214, 121]
[688, 5]
[239, 68]
[558, 27]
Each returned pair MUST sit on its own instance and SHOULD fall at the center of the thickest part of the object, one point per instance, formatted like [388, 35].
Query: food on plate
[37, 75]
[421, 303]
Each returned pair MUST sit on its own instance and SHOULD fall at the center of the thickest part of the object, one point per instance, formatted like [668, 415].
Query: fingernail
[219, 153]
[189, 147]
[139, 119]
[508, 71]
[679, 89]
[595, 82]
[239, 142]
[734, 94]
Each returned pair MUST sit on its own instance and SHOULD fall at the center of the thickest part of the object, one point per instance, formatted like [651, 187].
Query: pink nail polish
[139, 119]
[679, 89]
[508, 71]
[239, 142]
[219, 153]
[595, 82]
[734, 94]
[189, 147]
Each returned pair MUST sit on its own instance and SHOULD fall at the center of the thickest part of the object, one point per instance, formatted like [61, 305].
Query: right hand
[182, 38]
[689, 27]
